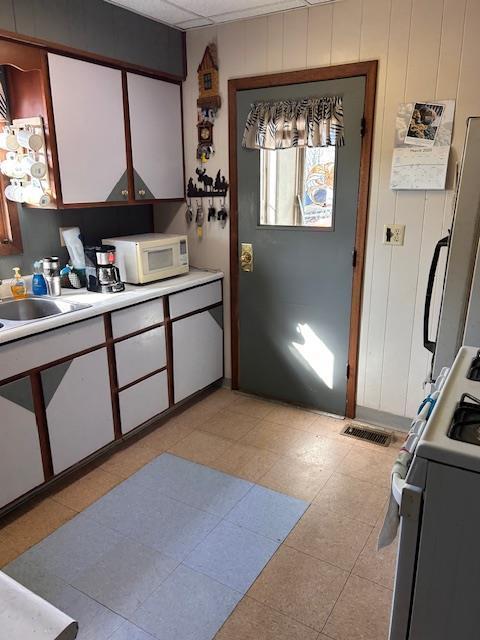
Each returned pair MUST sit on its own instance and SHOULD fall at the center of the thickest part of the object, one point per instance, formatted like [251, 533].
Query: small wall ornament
[208, 102]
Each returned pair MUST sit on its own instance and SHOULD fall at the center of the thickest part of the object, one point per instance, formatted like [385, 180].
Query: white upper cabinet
[155, 110]
[89, 121]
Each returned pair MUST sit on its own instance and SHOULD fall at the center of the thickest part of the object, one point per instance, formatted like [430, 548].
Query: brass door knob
[246, 257]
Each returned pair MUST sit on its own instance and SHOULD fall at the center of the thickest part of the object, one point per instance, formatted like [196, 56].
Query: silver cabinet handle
[141, 192]
[125, 193]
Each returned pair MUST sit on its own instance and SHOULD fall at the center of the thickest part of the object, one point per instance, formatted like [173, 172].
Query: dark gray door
[294, 307]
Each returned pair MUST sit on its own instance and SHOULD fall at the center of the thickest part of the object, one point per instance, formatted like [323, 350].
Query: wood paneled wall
[427, 49]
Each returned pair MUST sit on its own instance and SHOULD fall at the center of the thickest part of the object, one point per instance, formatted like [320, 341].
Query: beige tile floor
[327, 580]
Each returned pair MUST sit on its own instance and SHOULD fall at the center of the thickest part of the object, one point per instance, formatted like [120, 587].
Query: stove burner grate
[474, 371]
[465, 424]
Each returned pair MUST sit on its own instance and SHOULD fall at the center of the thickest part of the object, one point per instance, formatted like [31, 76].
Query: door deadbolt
[246, 257]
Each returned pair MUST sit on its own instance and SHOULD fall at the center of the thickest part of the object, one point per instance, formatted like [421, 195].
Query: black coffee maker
[102, 274]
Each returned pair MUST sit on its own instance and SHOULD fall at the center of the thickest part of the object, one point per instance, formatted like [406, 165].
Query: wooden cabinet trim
[169, 348]
[41, 418]
[112, 372]
[141, 379]
[195, 311]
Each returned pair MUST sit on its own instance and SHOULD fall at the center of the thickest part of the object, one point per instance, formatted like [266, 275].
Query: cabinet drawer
[143, 401]
[20, 457]
[140, 355]
[193, 299]
[136, 318]
[35, 351]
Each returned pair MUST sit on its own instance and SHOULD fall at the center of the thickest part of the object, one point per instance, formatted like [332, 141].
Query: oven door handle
[430, 344]
[410, 512]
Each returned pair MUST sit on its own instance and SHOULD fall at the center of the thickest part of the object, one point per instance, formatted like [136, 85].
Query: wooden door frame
[368, 70]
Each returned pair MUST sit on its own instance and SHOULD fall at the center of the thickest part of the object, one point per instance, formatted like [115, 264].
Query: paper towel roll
[26, 616]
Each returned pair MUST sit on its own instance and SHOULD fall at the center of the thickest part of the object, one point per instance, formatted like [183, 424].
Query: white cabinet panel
[90, 129]
[20, 458]
[143, 401]
[155, 110]
[196, 298]
[79, 409]
[140, 355]
[35, 351]
[197, 352]
[136, 318]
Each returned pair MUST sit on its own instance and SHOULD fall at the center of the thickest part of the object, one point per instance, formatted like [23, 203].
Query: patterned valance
[309, 122]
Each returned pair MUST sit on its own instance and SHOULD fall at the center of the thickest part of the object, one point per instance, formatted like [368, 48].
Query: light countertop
[105, 302]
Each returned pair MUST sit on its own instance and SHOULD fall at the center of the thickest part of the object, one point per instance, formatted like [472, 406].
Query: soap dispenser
[39, 286]
[19, 290]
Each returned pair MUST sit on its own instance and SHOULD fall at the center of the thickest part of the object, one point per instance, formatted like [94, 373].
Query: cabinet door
[20, 457]
[79, 410]
[156, 130]
[197, 351]
[90, 130]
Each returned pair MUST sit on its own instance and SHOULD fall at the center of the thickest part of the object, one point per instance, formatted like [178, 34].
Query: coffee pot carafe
[102, 274]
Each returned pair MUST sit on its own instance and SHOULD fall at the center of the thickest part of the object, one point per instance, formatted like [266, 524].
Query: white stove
[438, 567]
[440, 441]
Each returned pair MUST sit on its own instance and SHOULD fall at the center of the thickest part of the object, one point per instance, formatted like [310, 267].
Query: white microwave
[150, 256]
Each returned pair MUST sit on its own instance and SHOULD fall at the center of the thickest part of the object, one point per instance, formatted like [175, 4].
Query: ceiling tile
[195, 22]
[216, 7]
[258, 11]
[157, 9]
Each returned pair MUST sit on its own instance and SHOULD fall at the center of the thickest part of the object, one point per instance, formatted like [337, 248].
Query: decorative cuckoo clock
[208, 102]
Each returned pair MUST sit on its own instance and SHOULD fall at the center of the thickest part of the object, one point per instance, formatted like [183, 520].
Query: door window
[297, 187]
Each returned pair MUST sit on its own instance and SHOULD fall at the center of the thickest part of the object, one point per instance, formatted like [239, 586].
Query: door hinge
[363, 126]
[348, 371]
[354, 258]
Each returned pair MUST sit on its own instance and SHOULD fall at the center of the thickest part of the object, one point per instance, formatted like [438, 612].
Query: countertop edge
[105, 303]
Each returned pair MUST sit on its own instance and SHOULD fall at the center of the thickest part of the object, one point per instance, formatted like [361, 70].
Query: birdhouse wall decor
[208, 102]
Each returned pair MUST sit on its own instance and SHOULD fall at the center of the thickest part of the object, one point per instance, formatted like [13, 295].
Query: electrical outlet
[60, 229]
[394, 234]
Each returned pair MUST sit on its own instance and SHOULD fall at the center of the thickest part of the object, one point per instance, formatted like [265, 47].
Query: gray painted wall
[98, 27]
[41, 236]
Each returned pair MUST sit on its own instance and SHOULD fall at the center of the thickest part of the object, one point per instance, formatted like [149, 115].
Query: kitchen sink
[23, 310]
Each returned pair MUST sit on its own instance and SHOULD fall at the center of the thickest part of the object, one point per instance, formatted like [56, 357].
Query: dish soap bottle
[19, 290]
[39, 286]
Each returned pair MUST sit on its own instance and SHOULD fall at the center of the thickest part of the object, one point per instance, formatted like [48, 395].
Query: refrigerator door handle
[430, 344]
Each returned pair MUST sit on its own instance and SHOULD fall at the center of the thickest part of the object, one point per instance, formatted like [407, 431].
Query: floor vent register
[367, 434]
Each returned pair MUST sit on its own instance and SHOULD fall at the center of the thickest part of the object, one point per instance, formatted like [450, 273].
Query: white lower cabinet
[79, 409]
[143, 401]
[20, 457]
[197, 351]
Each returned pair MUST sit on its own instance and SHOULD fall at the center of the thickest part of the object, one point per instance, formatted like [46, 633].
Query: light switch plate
[394, 234]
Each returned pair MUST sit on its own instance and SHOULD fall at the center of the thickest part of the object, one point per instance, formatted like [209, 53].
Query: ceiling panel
[196, 22]
[188, 14]
[258, 11]
[157, 9]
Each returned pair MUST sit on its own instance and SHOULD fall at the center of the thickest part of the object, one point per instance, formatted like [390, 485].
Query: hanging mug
[8, 141]
[12, 166]
[15, 191]
[35, 168]
[34, 195]
[29, 140]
